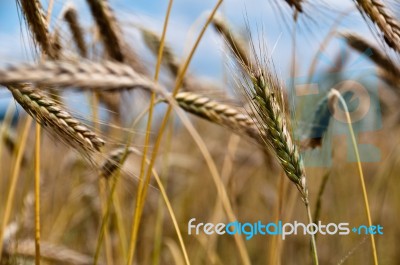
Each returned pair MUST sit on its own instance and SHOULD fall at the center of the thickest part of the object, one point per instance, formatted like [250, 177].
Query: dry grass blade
[358, 43]
[48, 113]
[386, 22]
[218, 113]
[71, 17]
[36, 19]
[85, 74]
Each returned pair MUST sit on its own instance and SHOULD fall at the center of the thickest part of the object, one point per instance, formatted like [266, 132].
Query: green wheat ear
[275, 130]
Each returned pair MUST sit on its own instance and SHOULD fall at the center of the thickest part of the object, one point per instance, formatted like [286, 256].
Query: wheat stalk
[386, 22]
[50, 115]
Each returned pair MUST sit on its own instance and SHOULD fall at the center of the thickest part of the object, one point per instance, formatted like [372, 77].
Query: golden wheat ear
[70, 15]
[389, 70]
[58, 121]
[38, 25]
[384, 20]
[114, 161]
[219, 113]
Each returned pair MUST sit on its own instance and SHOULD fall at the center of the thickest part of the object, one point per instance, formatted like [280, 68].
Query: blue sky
[273, 18]
[260, 14]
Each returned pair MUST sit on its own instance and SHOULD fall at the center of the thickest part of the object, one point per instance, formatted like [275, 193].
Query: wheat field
[132, 131]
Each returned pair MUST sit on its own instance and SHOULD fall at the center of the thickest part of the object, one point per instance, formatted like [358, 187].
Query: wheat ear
[112, 36]
[37, 22]
[218, 113]
[296, 4]
[109, 30]
[236, 45]
[386, 22]
[114, 161]
[48, 113]
[358, 43]
[71, 17]
[267, 103]
[276, 133]
[85, 74]
[152, 41]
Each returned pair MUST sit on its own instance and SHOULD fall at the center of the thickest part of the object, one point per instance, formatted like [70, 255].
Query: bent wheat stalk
[386, 22]
[50, 115]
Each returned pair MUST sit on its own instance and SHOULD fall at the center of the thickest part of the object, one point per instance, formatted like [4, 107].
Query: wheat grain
[48, 113]
[386, 22]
